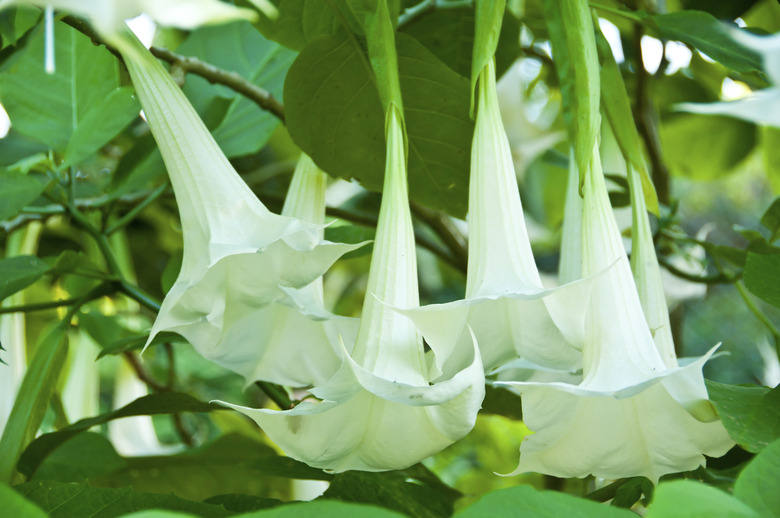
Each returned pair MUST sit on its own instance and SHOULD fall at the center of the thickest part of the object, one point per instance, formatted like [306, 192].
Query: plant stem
[276, 393]
[132, 213]
[263, 98]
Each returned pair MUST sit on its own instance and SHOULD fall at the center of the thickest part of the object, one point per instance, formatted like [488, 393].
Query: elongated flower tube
[382, 410]
[632, 414]
[511, 314]
[761, 107]
[238, 256]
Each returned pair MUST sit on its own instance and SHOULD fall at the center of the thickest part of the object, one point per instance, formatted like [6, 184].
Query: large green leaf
[17, 191]
[15, 504]
[414, 491]
[302, 21]
[436, 28]
[64, 500]
[324, 509]
[750, 414]
[153, 404]
[334, 115]
[16, 273]
[528, 502]
[689, 499]
[762, 276]
[82, 457]
[75, 110]
[757, 484]
[233, 464]
[33, 398]
[705, 147]
[707, 34]
[237, 47]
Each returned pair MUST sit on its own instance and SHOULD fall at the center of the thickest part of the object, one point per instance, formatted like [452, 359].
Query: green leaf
[82, 457]
[705, 147]
[435, 31]
[153, 404]
[102, 122]
[771, 219]
[527, 501]
[617, 106]
[15, 22]
[64, 500]
[17, 191]
[720, 9]
[243, 503]
[238, 47]
[414, 492]
[757, 484]
[689, 499]
[489, 15]
[351, 234]
[762, 276]
[15, 505]
[706, 33]
[231, 464]
[324, 509]
[576, 59]
[77, 263]
[16, 273]
[751, 415]
[33, 398]
[53, 107]
[137, 342]
[302, 21]
[334, 115]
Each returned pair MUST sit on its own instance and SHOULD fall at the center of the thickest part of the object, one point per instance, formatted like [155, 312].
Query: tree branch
[215, 75]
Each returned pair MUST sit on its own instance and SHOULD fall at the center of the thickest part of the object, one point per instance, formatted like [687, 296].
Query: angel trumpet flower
[632, 414]
[277, 341]
[511, 314]
[381, 410]
[238, 256]
[762, 107]
[108, 16]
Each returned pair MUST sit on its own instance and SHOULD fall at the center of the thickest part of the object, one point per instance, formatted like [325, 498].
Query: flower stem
[276, 393]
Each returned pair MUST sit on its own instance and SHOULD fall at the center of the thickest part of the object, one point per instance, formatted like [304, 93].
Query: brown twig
[142, 374]
[646, 123]
[178, 423]
[445, 229]
[192, 65]
[215, 75]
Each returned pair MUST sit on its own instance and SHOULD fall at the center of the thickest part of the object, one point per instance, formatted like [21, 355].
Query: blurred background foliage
[76, 139]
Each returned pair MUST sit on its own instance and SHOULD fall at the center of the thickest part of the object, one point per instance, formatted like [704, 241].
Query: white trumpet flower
[382, 410]
[633, 414]
[238, 256]
[506, 306]
[274, 343]
[761, 107]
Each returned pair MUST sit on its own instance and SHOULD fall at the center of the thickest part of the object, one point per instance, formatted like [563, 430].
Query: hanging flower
[238, 256]
[382, 410]
[506, 306]
[762, 107]
[634, 413]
